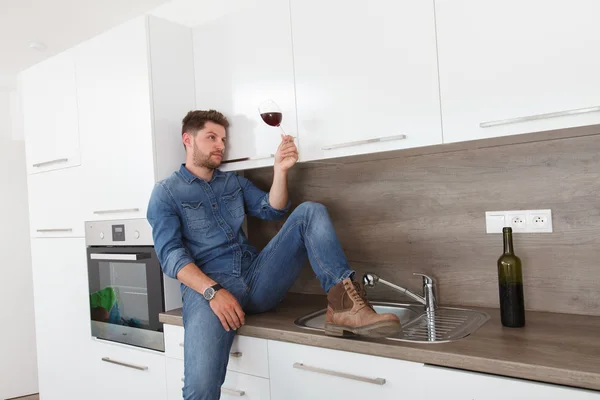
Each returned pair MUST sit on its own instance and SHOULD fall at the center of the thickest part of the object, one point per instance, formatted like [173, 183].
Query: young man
[197, 214]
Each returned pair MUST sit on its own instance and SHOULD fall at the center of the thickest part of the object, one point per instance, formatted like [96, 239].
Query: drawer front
[249, 387]
[248, 355]
[173, 341]
[236, 385]
[124, 369]
[174, 379]
[305, 372]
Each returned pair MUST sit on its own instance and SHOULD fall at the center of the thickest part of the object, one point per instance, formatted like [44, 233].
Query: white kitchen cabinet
[366, 76]
[236, 384]
[243, 57]
[305, 372]
[513, 67]
[56, 203]
[62, 320]
[122, 372]
[249, 355]
[454, 384]
[50, 121]
[135, 85]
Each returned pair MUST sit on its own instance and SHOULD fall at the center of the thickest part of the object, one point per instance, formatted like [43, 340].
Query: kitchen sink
[444, 324]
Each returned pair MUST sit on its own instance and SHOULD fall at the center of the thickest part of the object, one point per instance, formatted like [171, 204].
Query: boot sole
[377, 330]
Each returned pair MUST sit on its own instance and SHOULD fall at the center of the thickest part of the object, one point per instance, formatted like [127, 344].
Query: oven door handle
[119, 257]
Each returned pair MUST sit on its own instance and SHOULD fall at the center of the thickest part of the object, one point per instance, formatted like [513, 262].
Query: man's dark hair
[195, 120]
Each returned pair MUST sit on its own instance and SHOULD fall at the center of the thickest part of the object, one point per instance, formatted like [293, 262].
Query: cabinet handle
[117, 211]
[233, 392]
[139, 367]
[180, 344]
[236, 354]
[366, 141]
[119, 257]
[59, 160]
[55, 230]
[375, 381]
[539, 116]
[248, 159]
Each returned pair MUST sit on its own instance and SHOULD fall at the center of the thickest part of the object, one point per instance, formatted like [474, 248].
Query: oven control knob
[136, 234]
[101, 235]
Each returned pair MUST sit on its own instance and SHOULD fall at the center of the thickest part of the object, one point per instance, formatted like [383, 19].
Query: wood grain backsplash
[426, 213]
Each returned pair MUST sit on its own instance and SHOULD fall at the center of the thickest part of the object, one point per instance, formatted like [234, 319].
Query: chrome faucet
[429, 298]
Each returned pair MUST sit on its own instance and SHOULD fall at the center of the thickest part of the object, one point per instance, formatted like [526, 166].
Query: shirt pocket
[234, 202]
[195, 216]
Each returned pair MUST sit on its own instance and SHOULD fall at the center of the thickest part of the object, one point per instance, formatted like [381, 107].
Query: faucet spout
[429, 299]
[369, 279]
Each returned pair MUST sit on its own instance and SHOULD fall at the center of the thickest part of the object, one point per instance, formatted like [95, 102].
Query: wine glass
[271, 113]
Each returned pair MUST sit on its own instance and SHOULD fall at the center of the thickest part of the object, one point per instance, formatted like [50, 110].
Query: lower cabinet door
[236, 385]
[301, 372]
[127, 373]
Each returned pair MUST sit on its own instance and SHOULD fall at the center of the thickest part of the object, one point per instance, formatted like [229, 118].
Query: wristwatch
[210, 291]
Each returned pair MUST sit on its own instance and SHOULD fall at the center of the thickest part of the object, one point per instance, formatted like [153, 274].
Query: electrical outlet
[521, 221]
[518, 222]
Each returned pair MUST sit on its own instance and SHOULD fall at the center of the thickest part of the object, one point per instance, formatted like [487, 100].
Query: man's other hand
[227, 308]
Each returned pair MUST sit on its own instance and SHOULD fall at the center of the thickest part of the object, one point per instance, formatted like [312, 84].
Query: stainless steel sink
[405, 312]
[445, 324]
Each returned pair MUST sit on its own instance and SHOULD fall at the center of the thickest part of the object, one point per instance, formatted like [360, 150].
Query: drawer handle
[55, 230]
[539, 116]
[236, 354]
[180, 344]
[59, 160]
[233, 392]
[248, 159]
[375, 381]
[119, 257]
[138, 367]
[121, 210]
[359, 142]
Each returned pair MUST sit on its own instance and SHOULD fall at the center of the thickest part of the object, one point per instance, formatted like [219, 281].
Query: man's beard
[204, 160]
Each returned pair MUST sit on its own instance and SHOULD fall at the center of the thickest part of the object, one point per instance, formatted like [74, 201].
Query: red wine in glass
[271, 113]
[272, 118]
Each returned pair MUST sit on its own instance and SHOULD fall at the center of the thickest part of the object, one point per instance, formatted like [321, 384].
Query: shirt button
[229, 235]
[220, 222]
[214, 206]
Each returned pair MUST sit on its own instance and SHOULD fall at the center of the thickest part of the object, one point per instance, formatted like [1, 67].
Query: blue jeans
[264, 282]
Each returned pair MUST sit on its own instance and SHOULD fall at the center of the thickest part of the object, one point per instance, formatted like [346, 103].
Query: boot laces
[357, 294]
[361, 295]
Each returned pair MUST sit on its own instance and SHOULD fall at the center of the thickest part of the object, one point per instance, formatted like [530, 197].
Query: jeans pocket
[235, 203]
[195, 216]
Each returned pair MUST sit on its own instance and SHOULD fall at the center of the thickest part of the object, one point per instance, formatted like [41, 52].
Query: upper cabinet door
[50, 114]
[510, 67]
[115, 119]
[243, 56]
[366, 76]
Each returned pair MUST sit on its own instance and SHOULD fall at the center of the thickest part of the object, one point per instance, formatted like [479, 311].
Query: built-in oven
[126, 283]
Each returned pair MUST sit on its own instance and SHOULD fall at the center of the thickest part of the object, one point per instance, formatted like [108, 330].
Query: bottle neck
[508, 243]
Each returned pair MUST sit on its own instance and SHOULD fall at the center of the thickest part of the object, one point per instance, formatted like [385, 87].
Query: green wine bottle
[510, 280]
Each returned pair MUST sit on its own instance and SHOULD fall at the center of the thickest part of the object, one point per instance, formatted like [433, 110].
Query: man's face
[208, 146]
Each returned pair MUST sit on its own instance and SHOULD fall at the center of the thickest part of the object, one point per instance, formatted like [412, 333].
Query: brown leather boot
[349, 312]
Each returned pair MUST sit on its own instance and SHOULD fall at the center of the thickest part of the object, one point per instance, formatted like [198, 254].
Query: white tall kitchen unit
[18, 363]
[102, 125]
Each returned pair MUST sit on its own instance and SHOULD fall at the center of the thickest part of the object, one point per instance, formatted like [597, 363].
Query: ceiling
[59, 24]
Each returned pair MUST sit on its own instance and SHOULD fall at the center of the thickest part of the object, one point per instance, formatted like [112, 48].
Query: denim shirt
[201, 222]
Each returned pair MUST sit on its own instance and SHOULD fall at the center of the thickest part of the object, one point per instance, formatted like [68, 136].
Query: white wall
[18, 362]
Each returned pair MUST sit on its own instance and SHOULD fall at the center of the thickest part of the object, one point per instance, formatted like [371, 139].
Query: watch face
[209, 293]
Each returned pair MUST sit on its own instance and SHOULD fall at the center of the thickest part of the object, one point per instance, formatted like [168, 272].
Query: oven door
[126, 295]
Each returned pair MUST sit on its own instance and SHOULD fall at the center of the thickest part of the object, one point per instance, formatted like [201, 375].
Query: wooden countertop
[555, 348]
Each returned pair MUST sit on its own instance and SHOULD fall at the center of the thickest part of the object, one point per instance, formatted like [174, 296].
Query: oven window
[120, 294]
